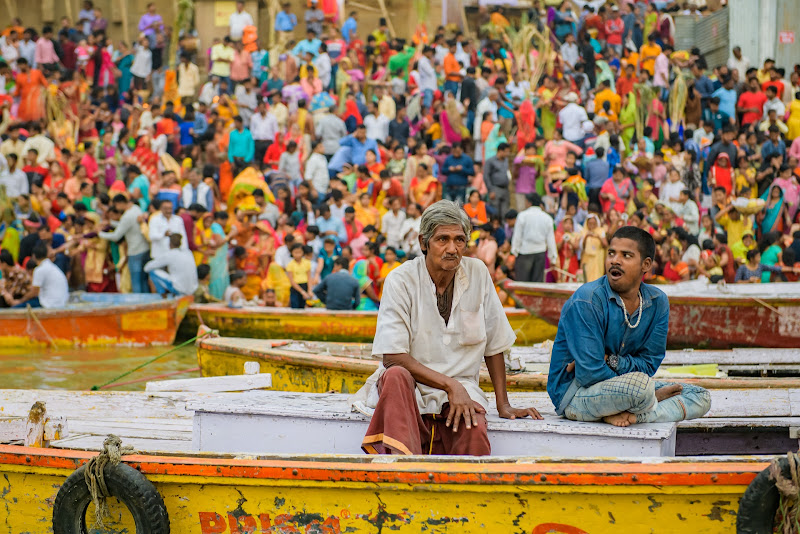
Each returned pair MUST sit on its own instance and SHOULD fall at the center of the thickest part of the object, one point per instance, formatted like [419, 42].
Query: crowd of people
[296, 174]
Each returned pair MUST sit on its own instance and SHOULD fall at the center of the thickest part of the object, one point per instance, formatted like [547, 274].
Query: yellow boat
[319, 367]
[324, 325]
[216, 493]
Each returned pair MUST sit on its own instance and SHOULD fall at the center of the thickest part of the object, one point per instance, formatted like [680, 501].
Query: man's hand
[461, 405]
[507, 411]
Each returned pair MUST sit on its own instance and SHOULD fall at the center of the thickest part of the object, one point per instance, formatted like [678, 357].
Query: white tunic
[409, 323]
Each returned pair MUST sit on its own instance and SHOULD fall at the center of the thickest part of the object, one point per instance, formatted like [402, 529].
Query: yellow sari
[278, 281]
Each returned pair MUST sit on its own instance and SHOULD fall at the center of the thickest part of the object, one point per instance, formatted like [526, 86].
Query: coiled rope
[95, 479]
[787, 518]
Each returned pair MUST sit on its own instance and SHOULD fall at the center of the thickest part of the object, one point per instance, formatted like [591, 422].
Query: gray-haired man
[439, 319]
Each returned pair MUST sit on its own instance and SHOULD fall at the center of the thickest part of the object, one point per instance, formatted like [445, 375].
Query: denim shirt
[592, 325]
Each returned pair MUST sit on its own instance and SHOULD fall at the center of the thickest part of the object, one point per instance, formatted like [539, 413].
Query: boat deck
[740, 422]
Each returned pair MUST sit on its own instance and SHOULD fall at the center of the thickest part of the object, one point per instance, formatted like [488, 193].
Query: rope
[148, 362]
[40, 325]
[787, 518]
[95, 479]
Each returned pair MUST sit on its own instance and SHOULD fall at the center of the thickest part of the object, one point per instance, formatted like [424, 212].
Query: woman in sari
[793, 122]
[145, 159]
[418, 154]
[493, 140]
[476, 208]
[30, 90]
[425, 189]
[776, 213]
[787, 182]
[277, 281]
[593, 245]
[453, 129]
[311, 84]
[368, 297]
[526, 124]
[627, 120]
[616, 192]
[273, 154]
[657, 120]
[351, 116]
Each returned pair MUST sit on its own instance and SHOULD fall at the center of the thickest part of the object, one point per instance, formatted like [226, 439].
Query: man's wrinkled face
[446, 247]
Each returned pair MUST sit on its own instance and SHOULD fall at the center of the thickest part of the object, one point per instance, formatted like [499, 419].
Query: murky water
[80, 369]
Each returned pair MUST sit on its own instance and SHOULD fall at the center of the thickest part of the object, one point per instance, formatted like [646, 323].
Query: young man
[180, 276]
[612, 337]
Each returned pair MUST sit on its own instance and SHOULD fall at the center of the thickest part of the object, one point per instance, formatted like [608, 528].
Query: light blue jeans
[636, 393]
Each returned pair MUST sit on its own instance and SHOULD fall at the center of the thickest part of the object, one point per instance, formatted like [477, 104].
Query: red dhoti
[398, 428]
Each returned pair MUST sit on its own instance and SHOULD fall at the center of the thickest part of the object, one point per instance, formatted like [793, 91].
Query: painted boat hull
[324, 325]
[213, 494]
[98, 322]
[324, 372]
[696, 321]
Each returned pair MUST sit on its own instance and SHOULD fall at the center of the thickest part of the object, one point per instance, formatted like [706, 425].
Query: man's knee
[641, 390]
[397, 376]
[697, 402]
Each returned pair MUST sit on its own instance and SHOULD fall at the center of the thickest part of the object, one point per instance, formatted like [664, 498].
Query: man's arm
[652, 354]
[157, 263]
[119, 232]
[585, 342]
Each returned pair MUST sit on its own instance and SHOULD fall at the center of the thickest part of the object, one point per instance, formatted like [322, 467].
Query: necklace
[625, 311]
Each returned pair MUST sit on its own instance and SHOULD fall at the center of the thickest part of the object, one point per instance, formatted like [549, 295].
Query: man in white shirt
[196, 191]
[317, 169]
[263, 128]
[323, 65]
[410, 230]
[49, 288]
[238, 20]
[570, 53]
[209, 90]
[439, 320]
[14, 179]
[571, 117]
[188, 79]
[488, 104]
[377, 124]
[44, 146]
[533, 241]
[180, 276]
[427, 76]
[392, 223]
[162, 225]
[738, 62]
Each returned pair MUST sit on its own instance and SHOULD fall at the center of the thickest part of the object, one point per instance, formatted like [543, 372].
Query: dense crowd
[297, 174]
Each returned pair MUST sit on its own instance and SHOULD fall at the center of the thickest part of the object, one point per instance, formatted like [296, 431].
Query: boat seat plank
[141, 429]
[708, 423]
[214, 384]
[88, 442]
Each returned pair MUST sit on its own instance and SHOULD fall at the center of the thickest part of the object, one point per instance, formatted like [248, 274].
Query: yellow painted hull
[324, 325]
[332, 495]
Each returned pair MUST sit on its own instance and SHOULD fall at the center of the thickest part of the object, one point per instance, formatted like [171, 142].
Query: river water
[80, 369]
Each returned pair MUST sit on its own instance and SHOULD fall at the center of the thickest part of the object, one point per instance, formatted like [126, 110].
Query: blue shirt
[592, 325]
[358, 150]
[596, 173]
[241, 145]
[349, 26]
[285, 22]
[704, 86]
[727, 100]
[458, 178]
[307, 46]
[769, 148]
[337, 225]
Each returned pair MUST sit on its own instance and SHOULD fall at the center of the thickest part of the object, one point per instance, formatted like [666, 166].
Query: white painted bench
[271, 422]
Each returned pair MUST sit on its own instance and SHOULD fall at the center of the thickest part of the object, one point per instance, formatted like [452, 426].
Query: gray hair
[442, 213]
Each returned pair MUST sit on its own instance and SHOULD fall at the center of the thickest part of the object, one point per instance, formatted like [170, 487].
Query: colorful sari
[277, 281]
[453, 129]
[361, 273]
[144, 158]
[627, 115]
[526, 124]
[425, 191]
[494, 140]
[219, 264]
[772, 215]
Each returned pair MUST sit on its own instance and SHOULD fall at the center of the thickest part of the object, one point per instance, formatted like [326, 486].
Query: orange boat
[96, 320]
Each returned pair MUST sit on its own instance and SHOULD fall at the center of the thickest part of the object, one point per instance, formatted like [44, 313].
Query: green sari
[627, 115]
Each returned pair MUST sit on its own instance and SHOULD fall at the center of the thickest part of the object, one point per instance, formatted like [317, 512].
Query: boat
[319, 367]
[324, 325]
[95, 320]
[701, 315]
[215, 492]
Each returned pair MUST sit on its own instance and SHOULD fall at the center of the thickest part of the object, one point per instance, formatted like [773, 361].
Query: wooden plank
[142, 445]
[538, 354]
[710, 423]
[214, 384]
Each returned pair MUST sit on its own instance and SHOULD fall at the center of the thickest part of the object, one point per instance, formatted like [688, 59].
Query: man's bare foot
[666, 392]
[621, 419]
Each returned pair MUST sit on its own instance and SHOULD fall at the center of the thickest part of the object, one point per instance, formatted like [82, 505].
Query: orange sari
[30, 87]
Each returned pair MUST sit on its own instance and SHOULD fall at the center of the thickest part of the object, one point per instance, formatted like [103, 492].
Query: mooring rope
[787, 518]
[95, 478]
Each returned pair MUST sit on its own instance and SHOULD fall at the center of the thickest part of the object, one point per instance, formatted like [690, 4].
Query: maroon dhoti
[398, 428]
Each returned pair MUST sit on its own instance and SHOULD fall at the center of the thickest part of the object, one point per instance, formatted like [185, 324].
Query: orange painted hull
[150, 323]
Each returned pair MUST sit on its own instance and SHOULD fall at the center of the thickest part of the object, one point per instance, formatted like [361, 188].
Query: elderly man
[440, 317]
[612, 337]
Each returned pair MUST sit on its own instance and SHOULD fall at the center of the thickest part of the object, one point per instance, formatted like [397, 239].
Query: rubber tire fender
[759, 503]
[123, 482]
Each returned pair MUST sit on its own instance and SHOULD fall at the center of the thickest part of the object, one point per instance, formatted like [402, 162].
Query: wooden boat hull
[716, 321]
[346, 372]
[215, 494]
[324, 325]
[151, 322]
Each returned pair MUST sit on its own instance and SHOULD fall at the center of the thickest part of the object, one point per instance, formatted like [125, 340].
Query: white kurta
[409, 323]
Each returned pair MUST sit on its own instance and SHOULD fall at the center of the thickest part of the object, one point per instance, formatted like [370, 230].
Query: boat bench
[272, 422]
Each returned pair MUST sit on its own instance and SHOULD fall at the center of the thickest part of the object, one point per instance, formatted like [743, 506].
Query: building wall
[756, 26]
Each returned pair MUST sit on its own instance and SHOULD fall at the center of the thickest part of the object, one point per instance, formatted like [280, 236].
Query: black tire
[759, 503]
[123, 482]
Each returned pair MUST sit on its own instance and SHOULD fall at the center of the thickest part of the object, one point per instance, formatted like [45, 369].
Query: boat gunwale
[255, 311]
[418, 470]
[59, 313]
[515, 380]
